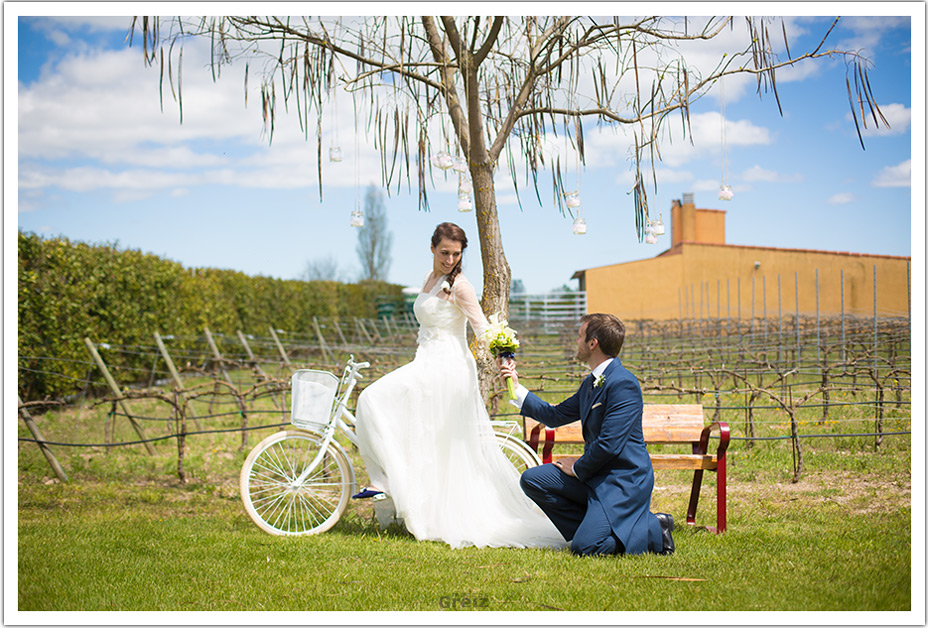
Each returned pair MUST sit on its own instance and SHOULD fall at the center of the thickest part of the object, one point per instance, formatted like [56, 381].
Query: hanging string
[725, 191]
[334, 101]
[724, 146]
[357, 216]
[579, 226]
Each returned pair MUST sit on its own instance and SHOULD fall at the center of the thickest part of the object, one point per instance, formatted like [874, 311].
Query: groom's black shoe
[666, 522]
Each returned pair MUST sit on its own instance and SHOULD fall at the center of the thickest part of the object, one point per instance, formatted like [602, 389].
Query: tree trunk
[496, 272]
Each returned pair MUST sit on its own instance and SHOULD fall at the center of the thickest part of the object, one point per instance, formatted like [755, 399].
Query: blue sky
[98, 161]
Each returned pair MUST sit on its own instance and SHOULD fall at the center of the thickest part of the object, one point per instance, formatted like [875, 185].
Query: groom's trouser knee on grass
[594, 536]
[565, 500]
[562, 497]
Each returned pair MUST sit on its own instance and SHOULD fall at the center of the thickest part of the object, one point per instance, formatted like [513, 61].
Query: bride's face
[446, 255]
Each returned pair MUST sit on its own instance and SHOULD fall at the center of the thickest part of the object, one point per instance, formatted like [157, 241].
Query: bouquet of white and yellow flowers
[502, 342]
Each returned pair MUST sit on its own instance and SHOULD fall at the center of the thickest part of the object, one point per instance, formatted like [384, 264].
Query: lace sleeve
[463, 295]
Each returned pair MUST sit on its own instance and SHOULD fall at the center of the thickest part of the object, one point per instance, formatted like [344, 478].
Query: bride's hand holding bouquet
[502, 342]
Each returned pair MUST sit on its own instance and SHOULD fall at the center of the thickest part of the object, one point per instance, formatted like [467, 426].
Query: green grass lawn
[125, 534]
[839, 540]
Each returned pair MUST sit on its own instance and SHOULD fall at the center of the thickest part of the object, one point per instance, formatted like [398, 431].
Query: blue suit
[606, 509]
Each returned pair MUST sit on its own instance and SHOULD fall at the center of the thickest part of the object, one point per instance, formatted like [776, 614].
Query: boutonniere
[599, 381]
[446, 286]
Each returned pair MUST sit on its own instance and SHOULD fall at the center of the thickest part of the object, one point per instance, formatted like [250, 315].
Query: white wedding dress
[426, 440]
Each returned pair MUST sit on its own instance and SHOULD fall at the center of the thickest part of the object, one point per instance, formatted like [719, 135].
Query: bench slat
[672, 423]
[684, 461]
[671, 461]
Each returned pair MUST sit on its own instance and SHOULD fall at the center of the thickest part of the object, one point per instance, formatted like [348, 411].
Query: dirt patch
[870, 493]
[857, 493]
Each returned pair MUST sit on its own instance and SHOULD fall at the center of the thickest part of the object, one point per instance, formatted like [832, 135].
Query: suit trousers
[573, 510]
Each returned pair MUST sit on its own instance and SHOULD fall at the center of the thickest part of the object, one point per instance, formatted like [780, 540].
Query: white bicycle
[299, 481]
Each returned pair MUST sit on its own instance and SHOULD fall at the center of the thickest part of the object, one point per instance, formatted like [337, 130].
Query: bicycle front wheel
[274, 499]
[519, 454]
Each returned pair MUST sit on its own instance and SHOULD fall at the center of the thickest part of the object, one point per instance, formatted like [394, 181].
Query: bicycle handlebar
[357, 366]
[353, 369]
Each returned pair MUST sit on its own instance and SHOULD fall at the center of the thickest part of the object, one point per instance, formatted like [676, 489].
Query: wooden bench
[671, 424]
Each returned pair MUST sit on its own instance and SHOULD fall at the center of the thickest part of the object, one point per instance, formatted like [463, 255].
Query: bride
[425, 435]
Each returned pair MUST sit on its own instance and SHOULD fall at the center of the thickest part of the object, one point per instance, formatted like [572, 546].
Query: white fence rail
[554, 310]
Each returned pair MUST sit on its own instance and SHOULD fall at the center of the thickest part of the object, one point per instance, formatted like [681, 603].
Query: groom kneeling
[599, 501]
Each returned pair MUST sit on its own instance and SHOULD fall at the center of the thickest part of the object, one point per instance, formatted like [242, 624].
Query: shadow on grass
[355, 524]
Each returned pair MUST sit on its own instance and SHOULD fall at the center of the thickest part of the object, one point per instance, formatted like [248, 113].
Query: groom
[599, 501]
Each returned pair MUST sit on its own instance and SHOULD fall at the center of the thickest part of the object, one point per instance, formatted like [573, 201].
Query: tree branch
[481, 54]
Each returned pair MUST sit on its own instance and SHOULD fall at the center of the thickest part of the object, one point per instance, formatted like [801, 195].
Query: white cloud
[868, 31]
[705, 185]
[757, 173]
[610, 148]
[841, 198]
[899, 117]
[899, 176]
[93, 121]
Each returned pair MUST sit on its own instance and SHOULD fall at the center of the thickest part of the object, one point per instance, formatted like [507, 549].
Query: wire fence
[771, 380]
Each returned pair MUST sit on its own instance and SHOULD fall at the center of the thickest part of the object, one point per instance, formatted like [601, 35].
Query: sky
[99, 160]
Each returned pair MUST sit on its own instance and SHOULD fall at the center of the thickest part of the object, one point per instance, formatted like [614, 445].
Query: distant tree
[322, 269]
[374, 240]
[517, 287]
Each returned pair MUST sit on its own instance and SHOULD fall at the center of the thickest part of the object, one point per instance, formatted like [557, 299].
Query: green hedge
[72, 290]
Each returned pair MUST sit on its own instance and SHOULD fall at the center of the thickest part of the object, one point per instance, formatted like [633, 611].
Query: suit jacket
[615, 464]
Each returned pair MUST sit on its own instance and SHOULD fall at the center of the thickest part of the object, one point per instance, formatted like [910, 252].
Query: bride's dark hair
[450, 231]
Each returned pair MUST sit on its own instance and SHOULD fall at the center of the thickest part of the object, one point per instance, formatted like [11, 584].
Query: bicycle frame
[336, 421]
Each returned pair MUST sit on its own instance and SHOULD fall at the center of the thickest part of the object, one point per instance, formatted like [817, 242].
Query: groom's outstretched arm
[563, 413]
[530, 405]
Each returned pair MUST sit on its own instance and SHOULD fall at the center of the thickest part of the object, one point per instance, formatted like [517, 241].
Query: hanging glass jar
[464, 185]
[657, 227]
[726, 193]
[464, 203]
[572, 199]
[357, 218]
[579, 226]
[443, 160]
[335, 154]
[459, 165]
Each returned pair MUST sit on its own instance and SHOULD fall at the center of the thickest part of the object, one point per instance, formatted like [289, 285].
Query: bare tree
[476, 83]
[322, 269]
[374, 239]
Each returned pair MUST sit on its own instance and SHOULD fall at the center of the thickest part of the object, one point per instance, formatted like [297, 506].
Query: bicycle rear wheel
[519, 454]
[273, 499]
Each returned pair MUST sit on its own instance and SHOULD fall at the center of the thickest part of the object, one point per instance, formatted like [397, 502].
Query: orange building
[701, 276]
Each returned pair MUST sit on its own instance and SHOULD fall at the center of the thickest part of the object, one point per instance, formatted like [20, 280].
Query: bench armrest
[724, 437]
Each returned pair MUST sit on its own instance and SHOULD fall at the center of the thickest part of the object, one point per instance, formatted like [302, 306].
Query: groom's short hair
[607, 329]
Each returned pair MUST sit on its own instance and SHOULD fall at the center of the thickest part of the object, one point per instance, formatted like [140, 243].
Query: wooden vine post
[218, 356]
[321, 339]
[341, 335]
[251, 355]
[115, 388]
[180, 411]
[280, 347]
[37, 435]
[174, 375]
